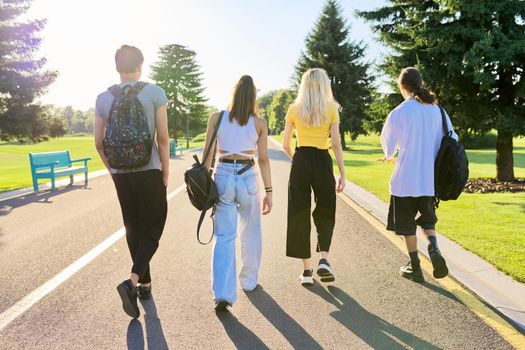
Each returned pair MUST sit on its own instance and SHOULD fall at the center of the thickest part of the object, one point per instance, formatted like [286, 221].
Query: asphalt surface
[368, 306]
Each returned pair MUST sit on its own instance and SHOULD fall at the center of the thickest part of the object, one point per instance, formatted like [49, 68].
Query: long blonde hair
[315, 93]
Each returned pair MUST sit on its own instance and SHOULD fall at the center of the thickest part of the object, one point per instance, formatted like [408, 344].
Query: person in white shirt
[414, 131]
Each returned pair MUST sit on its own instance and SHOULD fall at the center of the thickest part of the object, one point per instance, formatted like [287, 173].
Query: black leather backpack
[450, 167]
[200, 186]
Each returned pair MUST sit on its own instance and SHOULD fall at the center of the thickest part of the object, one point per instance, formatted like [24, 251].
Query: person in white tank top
[240, 136]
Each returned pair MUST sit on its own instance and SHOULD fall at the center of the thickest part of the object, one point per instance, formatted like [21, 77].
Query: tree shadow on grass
[240, 335]
[520, 205]
[44, 197]
[284, 323]
[373, 330]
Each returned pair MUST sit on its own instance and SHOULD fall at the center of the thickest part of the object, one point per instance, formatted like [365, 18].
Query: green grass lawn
[14, 160]
[489, 225]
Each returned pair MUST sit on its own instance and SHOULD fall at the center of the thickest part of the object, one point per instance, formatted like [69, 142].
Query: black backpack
[127, 142]
[450, 167]
[200, 186]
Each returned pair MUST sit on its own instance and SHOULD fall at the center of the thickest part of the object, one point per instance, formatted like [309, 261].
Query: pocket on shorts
[251, 184]
[221, 180]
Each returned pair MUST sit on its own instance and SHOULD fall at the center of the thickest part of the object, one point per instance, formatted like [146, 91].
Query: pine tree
[471, 53]
[22, 77]
[178, 73]
[328, 47]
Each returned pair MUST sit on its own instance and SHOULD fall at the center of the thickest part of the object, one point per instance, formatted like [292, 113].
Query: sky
[230, 37]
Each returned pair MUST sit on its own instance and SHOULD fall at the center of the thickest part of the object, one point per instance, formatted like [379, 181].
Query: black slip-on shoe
[144, 293]
[128, 294]
[408, 272]
[307, 278]
[222, 305]
[324, 271]
[438, 262]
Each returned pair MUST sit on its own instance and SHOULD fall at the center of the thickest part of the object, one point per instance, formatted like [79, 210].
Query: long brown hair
[411, 80]
[244, 100]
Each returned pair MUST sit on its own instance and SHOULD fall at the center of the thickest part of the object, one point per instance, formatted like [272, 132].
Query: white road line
[36, 295]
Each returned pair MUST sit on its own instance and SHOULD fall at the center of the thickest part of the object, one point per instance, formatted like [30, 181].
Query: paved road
[368, 306]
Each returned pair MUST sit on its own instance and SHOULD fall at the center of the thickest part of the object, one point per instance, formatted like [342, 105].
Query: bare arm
[288, 130]
[338, 151]
[100, 130]
[264, 164]
[163, 141]
[212, 121]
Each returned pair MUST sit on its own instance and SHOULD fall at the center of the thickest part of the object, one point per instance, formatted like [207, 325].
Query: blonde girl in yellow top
[315, 117]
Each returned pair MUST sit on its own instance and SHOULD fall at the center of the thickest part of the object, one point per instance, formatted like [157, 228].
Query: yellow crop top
[313, 136]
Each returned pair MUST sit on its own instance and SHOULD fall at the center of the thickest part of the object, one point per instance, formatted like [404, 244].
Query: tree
[178, 73]
[57, 127]
[277, 109]
[264, 101]
[472, 54]
[328, 47]
[22, 78]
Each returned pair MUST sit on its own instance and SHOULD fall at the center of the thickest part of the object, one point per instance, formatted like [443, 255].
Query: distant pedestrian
[414, 130]
[240, 135]
[131, 136]
[315, 117]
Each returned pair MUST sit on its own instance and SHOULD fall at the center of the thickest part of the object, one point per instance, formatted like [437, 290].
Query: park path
[368, 306]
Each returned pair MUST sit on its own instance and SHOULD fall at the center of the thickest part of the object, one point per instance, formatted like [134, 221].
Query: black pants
[142, 197]
[311, 169]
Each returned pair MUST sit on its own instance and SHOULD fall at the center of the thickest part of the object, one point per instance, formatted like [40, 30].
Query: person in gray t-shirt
[151, 98]
[142, 191]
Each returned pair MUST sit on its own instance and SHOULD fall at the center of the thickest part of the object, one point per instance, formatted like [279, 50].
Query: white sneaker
[307, 278]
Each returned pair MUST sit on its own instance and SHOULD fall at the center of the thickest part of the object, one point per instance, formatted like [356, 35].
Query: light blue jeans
[239, 209]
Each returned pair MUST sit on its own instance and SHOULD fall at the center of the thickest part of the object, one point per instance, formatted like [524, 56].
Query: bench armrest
[52, 165]
[85, 160]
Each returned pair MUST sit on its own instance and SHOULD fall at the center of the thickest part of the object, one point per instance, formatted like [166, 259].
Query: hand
[165, 178]
[267, 203]
[387, 160]
[341, 184]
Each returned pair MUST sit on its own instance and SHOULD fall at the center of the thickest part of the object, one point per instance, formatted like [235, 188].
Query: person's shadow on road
[240, 335]
[154, 333]
[284, 323]
[373, 330]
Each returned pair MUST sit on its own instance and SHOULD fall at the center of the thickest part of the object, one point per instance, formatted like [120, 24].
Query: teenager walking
[315, 117]
[131, 119]
[414, 130]
[241, 133]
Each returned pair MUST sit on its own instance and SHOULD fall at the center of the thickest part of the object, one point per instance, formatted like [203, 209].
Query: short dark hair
[128, 59]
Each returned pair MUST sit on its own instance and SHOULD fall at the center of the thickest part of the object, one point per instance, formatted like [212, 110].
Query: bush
[199, 138]
[477, 141]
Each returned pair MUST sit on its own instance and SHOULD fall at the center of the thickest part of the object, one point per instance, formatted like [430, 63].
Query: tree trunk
[343, 142]
[504, 158]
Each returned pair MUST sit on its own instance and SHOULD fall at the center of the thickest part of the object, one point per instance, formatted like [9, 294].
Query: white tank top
[235, 139]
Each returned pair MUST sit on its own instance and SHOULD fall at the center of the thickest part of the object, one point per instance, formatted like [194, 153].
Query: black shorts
[403, 211]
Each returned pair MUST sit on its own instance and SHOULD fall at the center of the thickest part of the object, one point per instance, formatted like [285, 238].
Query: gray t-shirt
[151, 97]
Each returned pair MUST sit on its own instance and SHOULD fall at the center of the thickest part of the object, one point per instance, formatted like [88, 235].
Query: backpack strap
[212, 141]
[444, 120]
[115, 90]
[201, 219]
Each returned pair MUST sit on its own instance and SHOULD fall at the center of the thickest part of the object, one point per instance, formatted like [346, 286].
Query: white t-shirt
[414, 130]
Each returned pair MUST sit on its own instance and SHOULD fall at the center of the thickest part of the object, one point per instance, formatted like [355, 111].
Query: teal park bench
[51, 165]
[174, 148]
